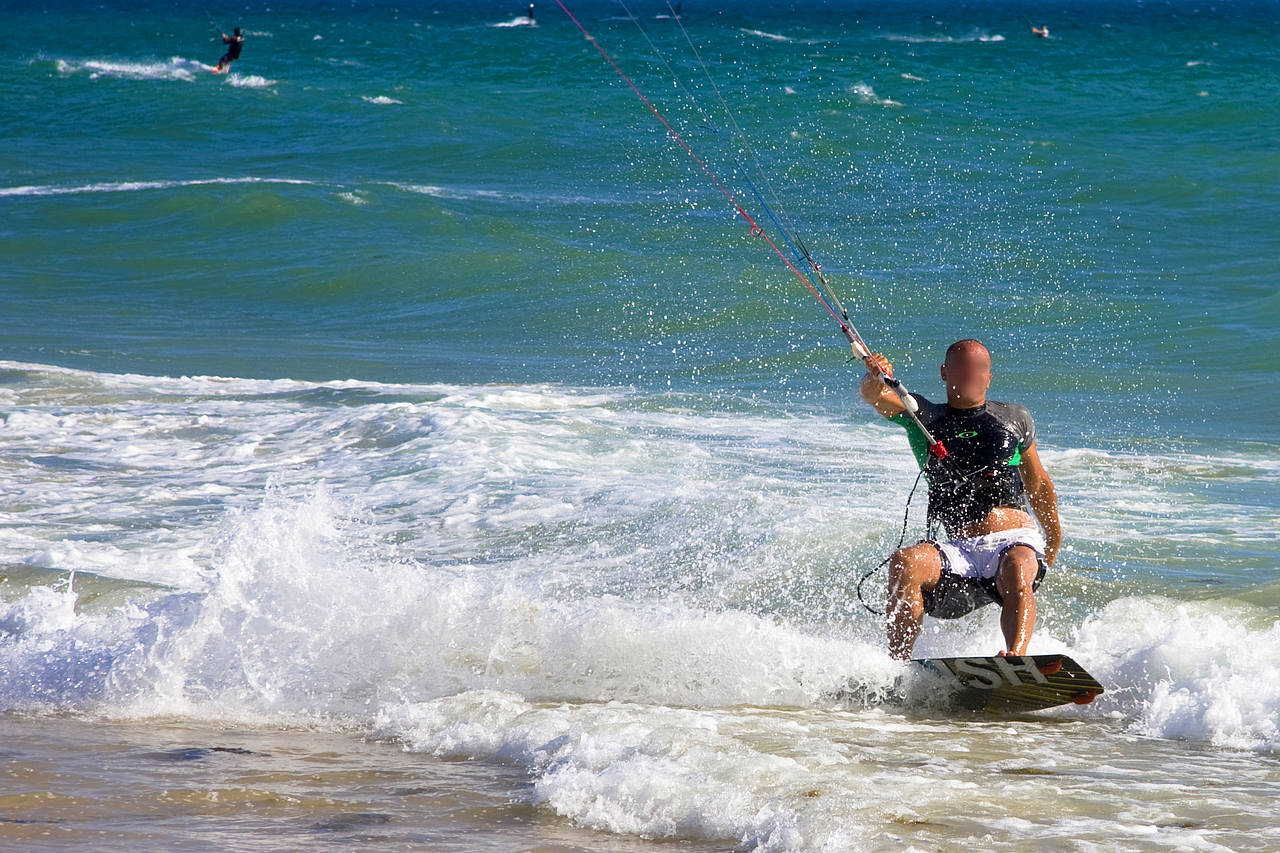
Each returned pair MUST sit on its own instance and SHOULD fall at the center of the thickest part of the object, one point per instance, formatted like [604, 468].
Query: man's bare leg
[912, 571]
[1017, 572]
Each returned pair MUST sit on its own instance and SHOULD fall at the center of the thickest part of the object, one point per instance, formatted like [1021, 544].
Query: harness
[975, 473]
[979, 473]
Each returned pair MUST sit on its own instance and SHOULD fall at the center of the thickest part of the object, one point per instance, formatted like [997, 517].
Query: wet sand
[71, 783]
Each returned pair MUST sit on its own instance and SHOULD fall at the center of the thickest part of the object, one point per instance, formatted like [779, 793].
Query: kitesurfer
[978, 494]
[234, 43]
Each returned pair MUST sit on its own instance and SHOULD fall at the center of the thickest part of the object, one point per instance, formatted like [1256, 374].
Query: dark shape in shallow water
[352, 820]
[195, 753]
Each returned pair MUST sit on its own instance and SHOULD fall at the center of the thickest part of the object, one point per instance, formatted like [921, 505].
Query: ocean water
[403, 445]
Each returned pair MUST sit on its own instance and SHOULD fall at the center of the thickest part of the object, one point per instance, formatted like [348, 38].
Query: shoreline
[72, 782]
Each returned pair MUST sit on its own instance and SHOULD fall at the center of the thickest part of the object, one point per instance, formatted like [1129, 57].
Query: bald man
[979, 495]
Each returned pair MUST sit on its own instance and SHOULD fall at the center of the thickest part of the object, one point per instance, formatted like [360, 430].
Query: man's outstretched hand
[876, 363]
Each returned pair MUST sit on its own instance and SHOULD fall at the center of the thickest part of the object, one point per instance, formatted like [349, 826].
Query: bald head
[966, 370]
[968, 348]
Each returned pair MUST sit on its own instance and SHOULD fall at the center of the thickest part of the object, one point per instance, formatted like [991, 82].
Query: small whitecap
[764, 35]
[249, 81]
[867, 95]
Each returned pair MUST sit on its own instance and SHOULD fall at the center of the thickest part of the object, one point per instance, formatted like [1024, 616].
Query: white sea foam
[654, 719]
[175, 68]
[462, 193]
[519, 21]
[135, 186]
[379, 99]
[1207, 670]
[449, 192]
[646, 605]
[1140, 503]
[249, 81]
[980, 36]
[775, 779]
[867, 95]
[764, 35]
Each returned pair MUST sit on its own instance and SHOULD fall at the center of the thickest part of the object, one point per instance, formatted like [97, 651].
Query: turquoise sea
[407, 400]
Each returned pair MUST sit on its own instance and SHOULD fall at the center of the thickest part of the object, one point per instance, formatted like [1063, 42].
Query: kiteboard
[1013, 684]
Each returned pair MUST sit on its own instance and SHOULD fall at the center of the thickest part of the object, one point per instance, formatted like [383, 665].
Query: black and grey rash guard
[984, 448]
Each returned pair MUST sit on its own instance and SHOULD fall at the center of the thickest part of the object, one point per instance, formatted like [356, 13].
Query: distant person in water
[531, 11]
[1042, 32]
[235, 43]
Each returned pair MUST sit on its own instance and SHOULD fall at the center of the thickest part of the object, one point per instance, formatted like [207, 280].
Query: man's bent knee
[915, 565]
[1017, 572]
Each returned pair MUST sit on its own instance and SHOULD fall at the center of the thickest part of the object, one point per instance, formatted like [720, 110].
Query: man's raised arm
[875, 392]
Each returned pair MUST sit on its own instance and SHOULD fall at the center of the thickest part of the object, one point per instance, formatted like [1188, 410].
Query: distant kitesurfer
[1042, 32]
[235, 43]
[992, 550]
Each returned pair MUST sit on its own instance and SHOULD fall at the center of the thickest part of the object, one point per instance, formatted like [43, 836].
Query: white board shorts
[979, 557]
[969, 569]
